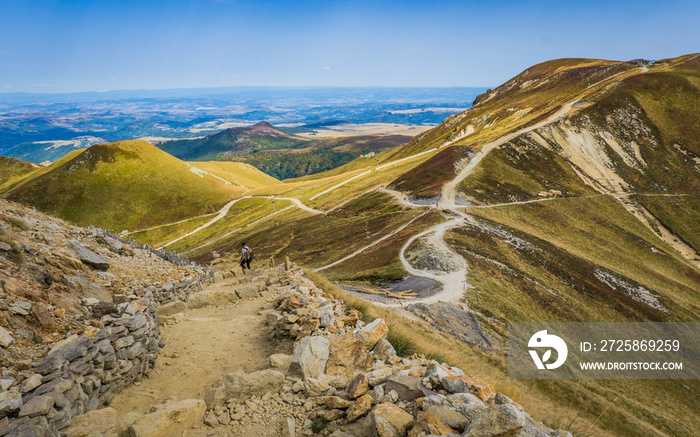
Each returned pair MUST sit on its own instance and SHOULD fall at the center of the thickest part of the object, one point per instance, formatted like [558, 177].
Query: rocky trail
[343, 379]
[207, 343]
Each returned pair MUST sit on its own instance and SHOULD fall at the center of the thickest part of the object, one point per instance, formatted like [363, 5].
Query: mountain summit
[233, 142]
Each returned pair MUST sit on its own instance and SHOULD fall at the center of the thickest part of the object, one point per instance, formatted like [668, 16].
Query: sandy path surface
[211, 342]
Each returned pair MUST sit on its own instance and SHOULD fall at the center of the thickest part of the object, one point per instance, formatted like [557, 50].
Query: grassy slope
[159, 235]
[123, 185]
[15, 182]
[322, 239]
[240, 215]
[515, 173]
[426, 180]
[238, 173]
[569, 243]
[527, 98]
[12, 169]
[680, 214]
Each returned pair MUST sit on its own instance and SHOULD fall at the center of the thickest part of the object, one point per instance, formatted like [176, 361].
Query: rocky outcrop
[239, 385]
[88, 257]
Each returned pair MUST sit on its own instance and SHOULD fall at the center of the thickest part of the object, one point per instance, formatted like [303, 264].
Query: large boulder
[171, 308]
[407, 387]
[9, 402]
[211, 297]
[347, 355]
[281, 362]
[250, 291]
[425, 424]
[358, 386]
[465, 403]
[88, 257]
[169, 419]
[37, 406]
[383, 350]
[496, 420]
[5, 337]
[310, 357]
[468, 384]
[360, 407]
[390, 420]
[115, 246]
[451, 417]
[97, 423]
[371, 333]
[240, 385]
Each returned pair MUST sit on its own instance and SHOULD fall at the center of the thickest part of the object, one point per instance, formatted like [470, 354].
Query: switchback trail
[454, 282]
[199, 350]
[229, 233]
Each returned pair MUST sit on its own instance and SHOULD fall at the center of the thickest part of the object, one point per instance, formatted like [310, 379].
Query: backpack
[250, 256]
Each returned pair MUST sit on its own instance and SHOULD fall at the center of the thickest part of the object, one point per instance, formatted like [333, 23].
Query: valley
[569, 193]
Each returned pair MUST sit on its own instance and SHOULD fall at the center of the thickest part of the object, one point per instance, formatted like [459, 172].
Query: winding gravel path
[223, 211]
[454, 283]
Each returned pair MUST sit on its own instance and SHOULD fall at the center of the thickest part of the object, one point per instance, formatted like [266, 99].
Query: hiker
[246, 256]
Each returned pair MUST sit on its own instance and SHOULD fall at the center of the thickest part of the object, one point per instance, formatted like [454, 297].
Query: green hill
[233, 142]
[124, 185]
[321, 155]
[278, 153]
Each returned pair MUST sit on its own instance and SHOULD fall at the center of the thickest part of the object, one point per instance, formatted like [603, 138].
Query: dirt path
[221, 214]
[454, 282]
[400, 197]
[447, 199]
[295, 201]
[170, 224]
[229, 233]
[211, 342]
[381, 167]
[224, 211]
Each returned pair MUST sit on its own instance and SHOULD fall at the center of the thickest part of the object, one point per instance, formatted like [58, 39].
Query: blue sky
[67, 46]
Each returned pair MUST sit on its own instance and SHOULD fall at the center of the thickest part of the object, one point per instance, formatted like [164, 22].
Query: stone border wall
[179, 290]
[83, 372]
